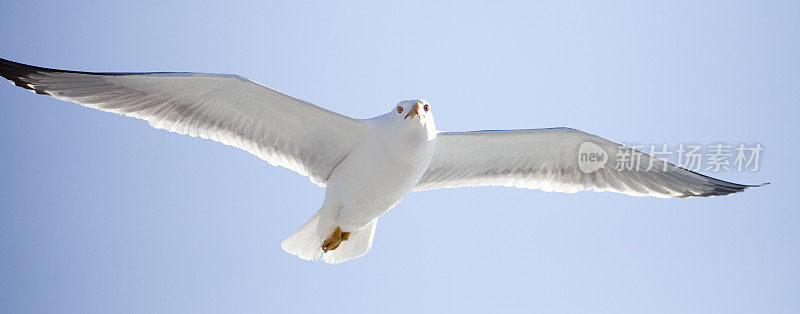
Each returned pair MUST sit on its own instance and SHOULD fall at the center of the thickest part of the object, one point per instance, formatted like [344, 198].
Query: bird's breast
[372, 179]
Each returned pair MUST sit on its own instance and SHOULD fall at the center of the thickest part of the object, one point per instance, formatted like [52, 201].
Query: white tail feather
[306, 243]
[358, 244]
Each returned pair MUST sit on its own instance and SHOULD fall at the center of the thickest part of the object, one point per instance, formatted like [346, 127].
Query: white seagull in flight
[367, 165]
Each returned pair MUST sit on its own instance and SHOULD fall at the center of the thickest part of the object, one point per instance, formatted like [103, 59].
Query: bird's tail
[306, 243]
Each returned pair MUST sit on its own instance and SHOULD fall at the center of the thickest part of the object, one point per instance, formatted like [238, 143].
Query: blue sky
[100, 213]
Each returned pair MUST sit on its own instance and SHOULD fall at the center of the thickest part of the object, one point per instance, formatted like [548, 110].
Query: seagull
[366, 165]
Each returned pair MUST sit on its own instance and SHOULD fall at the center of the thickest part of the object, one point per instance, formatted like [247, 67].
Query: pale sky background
[103, 214]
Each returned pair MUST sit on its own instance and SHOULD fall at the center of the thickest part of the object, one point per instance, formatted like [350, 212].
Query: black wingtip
[21, 69]
[723, 189]
[747, 187]
[17, 72]
[10, 69]
[20, 73]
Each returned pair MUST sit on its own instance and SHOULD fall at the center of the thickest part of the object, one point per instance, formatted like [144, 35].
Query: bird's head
[414, 116]
[415, 112]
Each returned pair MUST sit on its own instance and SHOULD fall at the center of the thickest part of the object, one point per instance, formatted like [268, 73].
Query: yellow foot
[336, 239]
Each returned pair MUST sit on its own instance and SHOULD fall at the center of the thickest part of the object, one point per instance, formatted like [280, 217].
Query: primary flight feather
[369, 165]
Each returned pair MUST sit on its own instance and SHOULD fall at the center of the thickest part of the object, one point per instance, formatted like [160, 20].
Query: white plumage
[547, 159]
[368, 165]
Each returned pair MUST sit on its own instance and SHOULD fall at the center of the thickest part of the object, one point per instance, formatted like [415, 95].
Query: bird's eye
[399, 109]
[426, 108]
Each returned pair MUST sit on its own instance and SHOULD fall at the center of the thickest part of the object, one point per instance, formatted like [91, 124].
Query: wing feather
[547, 159]
[280, 129]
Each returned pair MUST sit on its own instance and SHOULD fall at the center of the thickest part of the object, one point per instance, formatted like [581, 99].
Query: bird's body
[379, 172]
[367, 166]
[385, 166]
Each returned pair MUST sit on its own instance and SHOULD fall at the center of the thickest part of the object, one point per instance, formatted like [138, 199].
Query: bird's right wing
[561, 160]
[280, 129]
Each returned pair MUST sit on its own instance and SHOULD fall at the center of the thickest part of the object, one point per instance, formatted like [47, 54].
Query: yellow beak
[413, 112]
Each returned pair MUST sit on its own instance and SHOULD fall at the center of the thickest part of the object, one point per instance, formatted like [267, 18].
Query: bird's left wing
[550, 159]
[277, 128]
